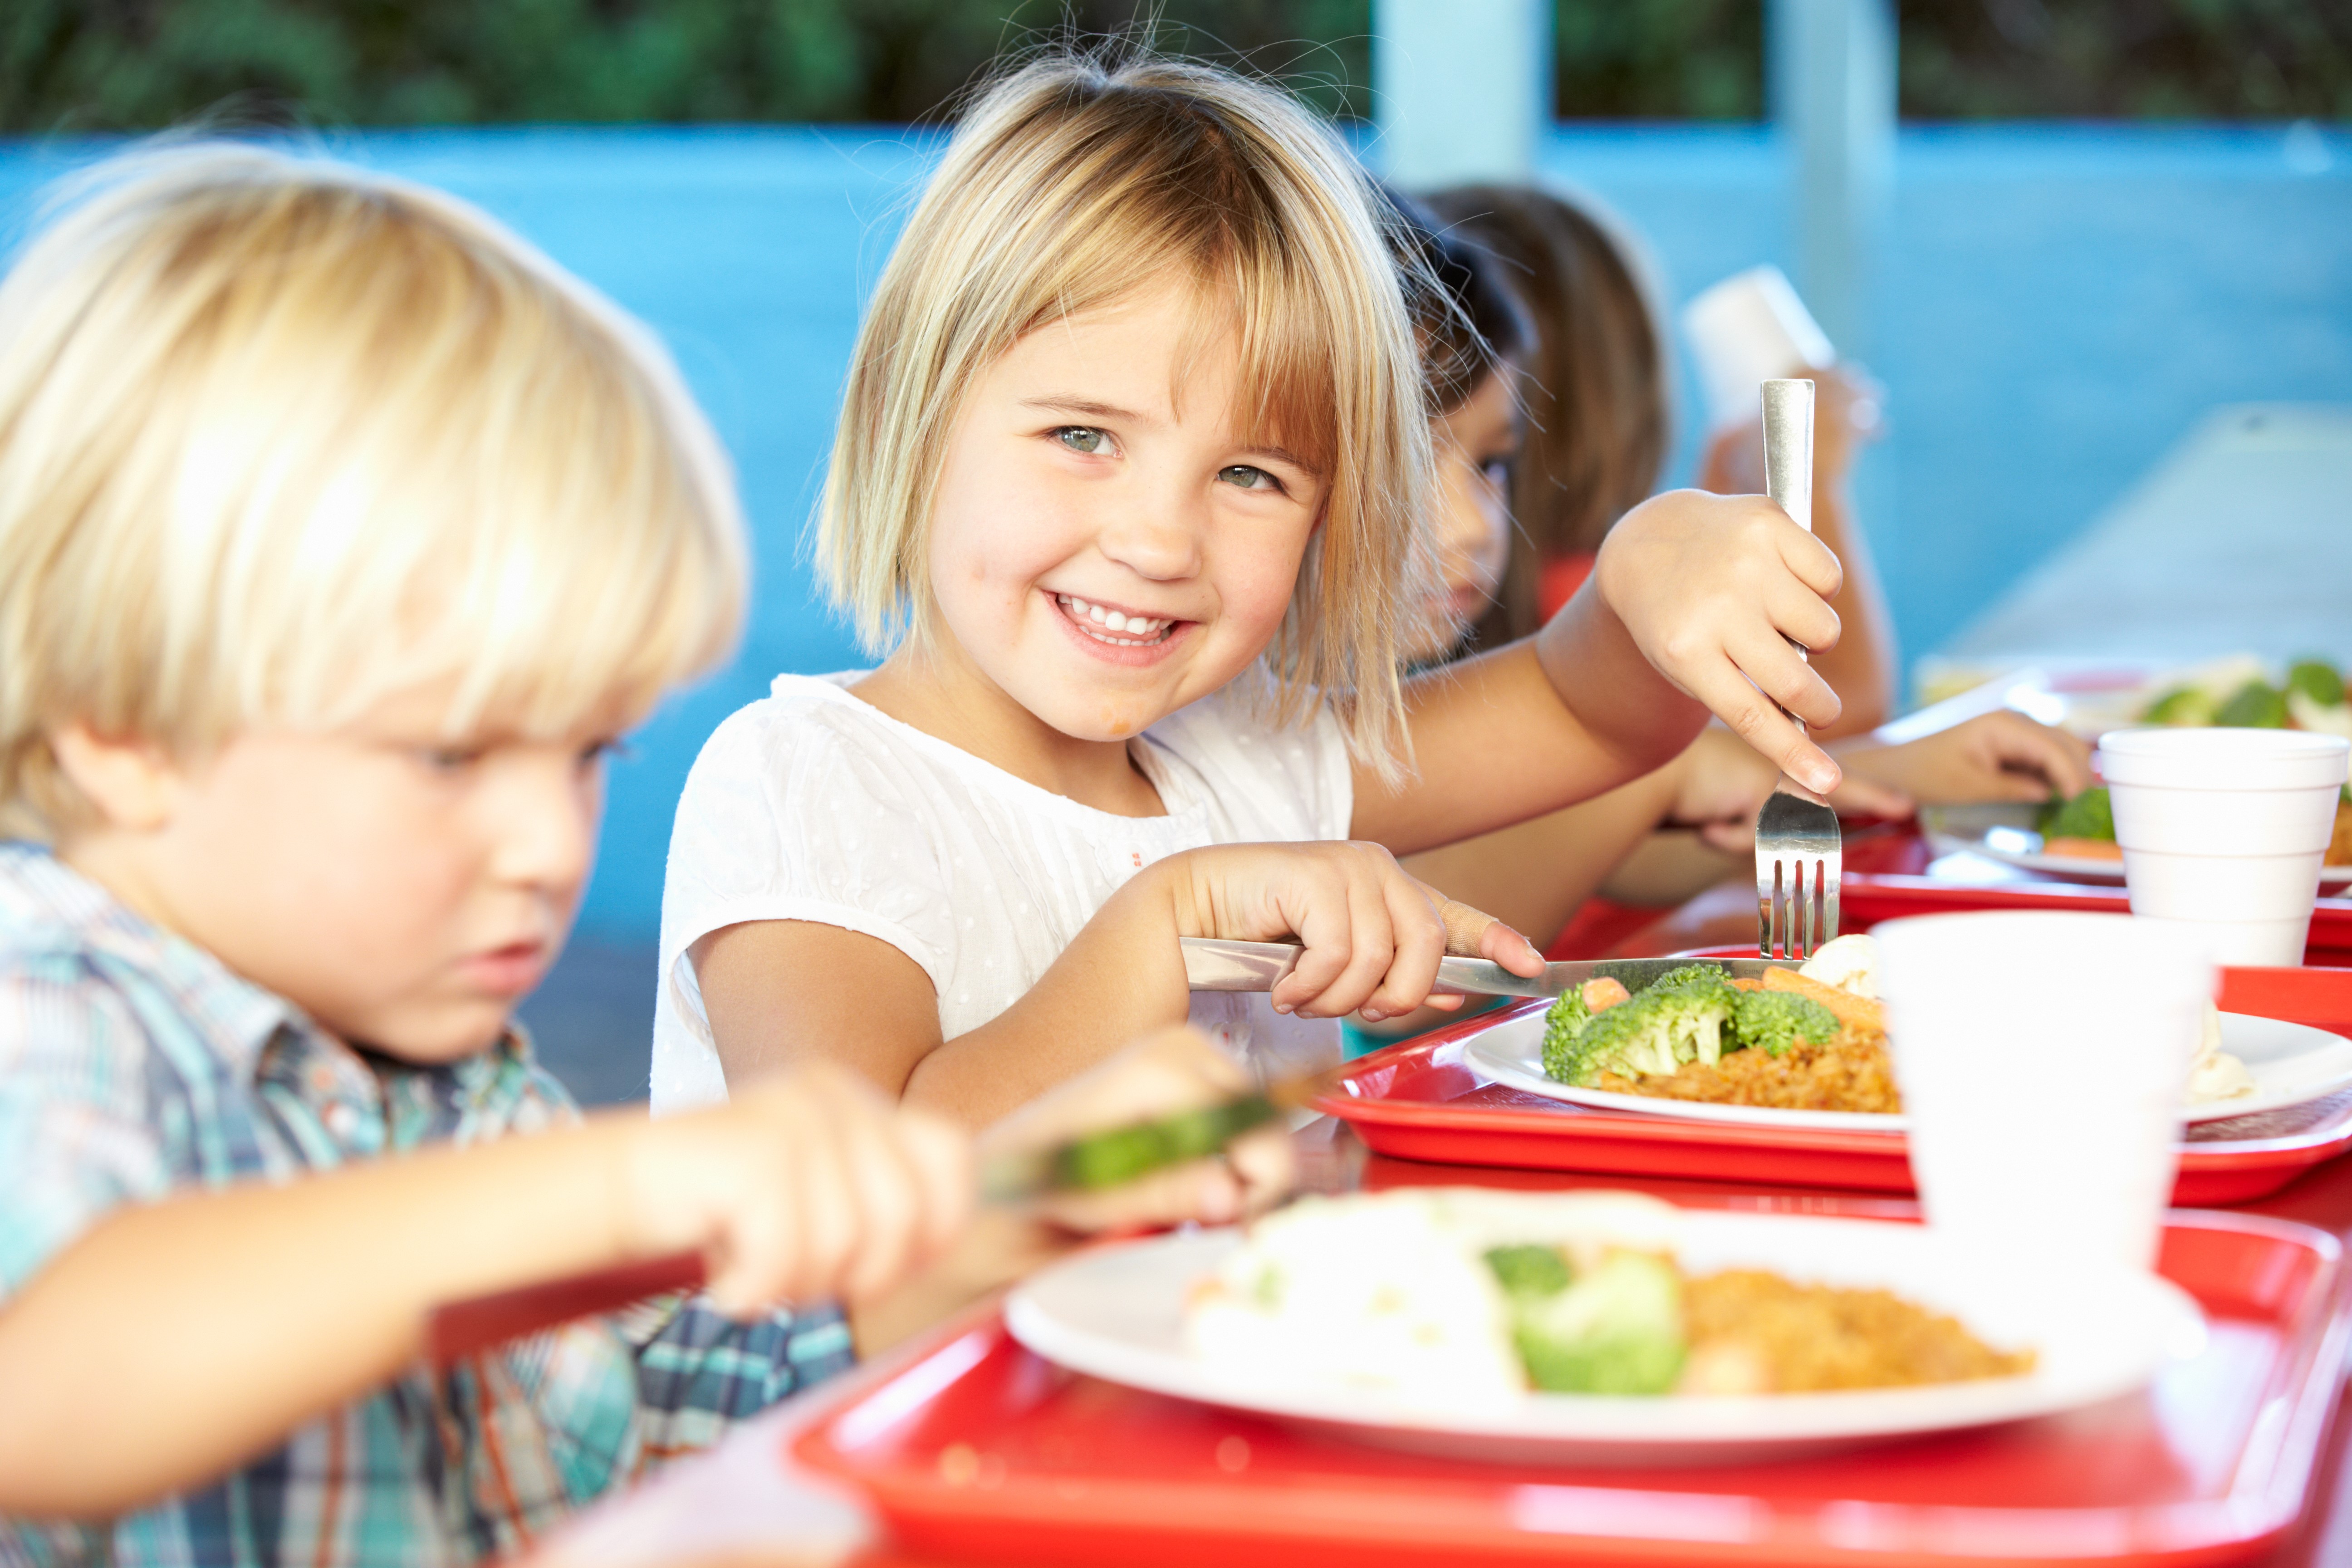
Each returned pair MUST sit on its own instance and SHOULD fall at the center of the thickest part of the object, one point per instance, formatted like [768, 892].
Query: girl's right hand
[805, 1186]
[1373, 934]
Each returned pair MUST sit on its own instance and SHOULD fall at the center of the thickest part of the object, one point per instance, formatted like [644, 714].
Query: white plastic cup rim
[2227, 759]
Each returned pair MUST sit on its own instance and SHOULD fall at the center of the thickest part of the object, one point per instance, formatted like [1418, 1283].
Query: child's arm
[1689, 608]
[174, 1339]
[781, 992]
[1156, 1076]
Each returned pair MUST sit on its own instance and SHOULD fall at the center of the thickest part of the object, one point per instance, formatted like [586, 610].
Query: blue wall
[2059, 304]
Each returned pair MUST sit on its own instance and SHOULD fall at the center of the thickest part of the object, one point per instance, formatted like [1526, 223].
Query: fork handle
[1789, 462]
[1788, 449]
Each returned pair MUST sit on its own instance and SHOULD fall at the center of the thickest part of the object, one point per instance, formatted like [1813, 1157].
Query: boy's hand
[2000, 756]
[1159, 1075]
[805, 1186]
[1373, 934]
[1713, 589]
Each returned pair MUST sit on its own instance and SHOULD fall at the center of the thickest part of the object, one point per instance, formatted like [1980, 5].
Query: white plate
[2291, 1064]
[2005, 833]
[1116, 1313]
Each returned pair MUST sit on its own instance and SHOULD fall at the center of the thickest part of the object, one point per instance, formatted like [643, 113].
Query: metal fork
[1798, 847]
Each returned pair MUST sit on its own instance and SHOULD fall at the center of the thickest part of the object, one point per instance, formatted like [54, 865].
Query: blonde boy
[339, 535]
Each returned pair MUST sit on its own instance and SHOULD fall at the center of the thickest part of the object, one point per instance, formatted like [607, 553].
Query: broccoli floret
[1528, 1271]
[1702, 978]
[2185, 705]
[1618, 1328]
[2317, 679]
[1655, 1032]
[1562, 1025]
[2256, 705]
[2090, 814]
[1771, 1021]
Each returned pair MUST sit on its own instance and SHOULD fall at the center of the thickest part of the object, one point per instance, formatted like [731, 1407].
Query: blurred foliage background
[103, 65]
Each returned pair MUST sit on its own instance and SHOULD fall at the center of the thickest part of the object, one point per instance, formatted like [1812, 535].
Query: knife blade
[1218, 963]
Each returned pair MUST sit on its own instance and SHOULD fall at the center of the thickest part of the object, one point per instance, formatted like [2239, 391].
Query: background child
[340, 534]
[1134, 454]
[1598, 424]
[1482, 358]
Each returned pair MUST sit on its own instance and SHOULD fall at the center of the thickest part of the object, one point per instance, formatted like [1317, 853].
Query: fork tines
[1797, 853]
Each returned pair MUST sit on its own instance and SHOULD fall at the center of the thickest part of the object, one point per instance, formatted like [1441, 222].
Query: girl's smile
[1126, 636]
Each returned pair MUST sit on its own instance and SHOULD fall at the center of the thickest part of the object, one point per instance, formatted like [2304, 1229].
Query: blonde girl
[1130, 481]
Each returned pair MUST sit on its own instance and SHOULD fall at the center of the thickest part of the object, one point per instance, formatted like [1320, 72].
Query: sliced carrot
[1744, 984]
[1855, 1012]
[1605, 992]
[2083, 848]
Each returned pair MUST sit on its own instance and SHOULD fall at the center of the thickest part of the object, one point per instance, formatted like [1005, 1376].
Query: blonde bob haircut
[279, 438]
[1078, 181]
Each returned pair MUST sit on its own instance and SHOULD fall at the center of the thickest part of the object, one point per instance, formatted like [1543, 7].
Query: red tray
[1888, 875]
[979, 1452]
[1419, 1100]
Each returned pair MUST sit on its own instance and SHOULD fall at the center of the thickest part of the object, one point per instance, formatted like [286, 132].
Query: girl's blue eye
[596, 754]
[1080, 438]
[1249, 478]
[451, 759]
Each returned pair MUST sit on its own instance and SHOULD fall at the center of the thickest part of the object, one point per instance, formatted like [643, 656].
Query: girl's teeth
[1113, 620]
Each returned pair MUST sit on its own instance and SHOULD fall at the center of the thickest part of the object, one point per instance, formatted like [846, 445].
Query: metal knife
[1216, 963]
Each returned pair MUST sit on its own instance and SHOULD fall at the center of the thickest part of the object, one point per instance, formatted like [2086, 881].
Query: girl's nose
[1157, 537]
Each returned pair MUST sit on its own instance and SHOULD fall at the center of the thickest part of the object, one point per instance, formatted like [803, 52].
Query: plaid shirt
[133, 1066]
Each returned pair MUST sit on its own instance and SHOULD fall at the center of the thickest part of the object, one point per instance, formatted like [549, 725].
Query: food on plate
[2081, 827]
[2236, 692]
[1756, 1333]
[1790, 1041]
[2215, 1074]
[1809, 1038]
[1848, 962]
[2319, 682]
[2084, 827]
[1456, 1297]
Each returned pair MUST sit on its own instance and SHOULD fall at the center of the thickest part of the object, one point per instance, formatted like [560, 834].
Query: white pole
[1831, 85]
[1461, 88]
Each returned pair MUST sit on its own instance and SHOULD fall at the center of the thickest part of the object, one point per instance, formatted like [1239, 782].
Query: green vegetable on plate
[2090, 814]
[2256, 705]
[2183, 705]
[2318, 681]
[1616, 1328]
[1689, 1015]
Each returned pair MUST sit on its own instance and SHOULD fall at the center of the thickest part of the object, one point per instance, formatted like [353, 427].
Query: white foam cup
[2042, 1057]
[1748, 330]
[2224, 831]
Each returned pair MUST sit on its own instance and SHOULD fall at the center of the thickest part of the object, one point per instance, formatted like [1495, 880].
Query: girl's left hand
[2000, 756]
[1712, 590]
[1161, 1074]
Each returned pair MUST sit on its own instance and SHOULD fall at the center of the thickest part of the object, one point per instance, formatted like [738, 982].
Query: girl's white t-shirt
[812, 804]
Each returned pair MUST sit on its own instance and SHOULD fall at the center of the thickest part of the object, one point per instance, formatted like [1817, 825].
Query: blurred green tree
[103, 65]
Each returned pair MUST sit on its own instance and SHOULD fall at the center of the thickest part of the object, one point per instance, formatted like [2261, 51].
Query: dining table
[747, 1502]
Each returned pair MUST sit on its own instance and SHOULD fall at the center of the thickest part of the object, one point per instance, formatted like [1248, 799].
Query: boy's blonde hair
[1077, 182]
[279, 438]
